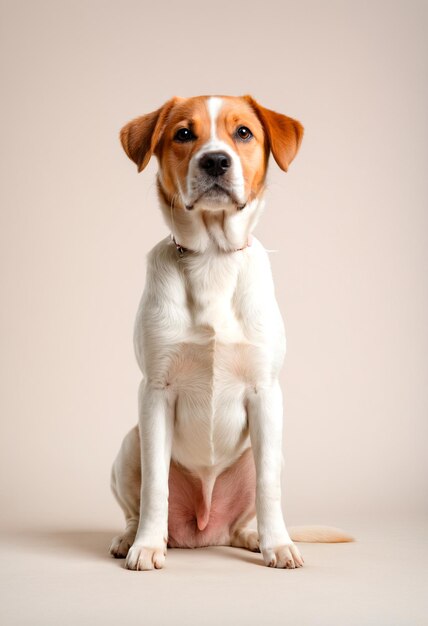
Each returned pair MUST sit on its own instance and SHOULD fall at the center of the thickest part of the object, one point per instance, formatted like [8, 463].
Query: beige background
[347, 226]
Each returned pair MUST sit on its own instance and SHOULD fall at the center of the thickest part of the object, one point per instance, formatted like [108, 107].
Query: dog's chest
[209, 332]
[213, 366]
[211, 380]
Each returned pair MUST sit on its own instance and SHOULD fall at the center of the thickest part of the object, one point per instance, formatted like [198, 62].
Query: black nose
[215, 163]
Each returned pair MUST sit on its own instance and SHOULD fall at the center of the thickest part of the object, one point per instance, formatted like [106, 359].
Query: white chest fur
[208, 329]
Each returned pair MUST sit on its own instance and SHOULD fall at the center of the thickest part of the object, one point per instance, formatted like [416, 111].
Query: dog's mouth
[217, 191]
[216, 194]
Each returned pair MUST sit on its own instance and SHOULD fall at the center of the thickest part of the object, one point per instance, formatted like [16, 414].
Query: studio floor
[66, 578]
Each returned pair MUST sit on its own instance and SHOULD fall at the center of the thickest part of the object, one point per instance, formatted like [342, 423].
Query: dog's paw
[144, 558]
[245, 538]
[285, 557]
[120, 545]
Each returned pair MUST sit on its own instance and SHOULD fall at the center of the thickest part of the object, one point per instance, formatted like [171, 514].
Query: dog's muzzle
[213, 181]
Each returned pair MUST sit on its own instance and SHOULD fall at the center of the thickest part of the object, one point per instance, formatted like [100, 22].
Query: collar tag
[180, 249]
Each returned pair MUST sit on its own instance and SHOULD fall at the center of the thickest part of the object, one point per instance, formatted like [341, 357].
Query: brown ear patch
[284, 133]
[141, 135]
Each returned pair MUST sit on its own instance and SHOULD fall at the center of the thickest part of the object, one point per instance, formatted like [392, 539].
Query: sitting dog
[205, 456]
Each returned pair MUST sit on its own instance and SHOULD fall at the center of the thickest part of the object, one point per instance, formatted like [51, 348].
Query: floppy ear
[284, 134]
[140, 136]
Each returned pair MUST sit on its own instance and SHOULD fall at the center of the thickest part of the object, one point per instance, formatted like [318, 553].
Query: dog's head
[212, 150]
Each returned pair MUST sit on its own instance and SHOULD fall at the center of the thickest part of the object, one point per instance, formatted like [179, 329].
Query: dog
[205, 457]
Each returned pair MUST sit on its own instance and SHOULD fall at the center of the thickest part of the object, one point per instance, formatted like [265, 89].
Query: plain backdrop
[347, 228]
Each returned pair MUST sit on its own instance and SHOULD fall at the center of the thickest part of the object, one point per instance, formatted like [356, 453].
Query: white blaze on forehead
[214, 105]
[214, 143]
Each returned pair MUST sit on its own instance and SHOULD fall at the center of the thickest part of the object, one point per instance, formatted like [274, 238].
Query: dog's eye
[183, 135]
[244, 133]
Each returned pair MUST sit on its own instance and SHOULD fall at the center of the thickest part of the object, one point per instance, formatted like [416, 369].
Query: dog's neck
[227, 229]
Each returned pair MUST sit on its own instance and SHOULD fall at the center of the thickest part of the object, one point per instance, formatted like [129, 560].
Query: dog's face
[212, 150]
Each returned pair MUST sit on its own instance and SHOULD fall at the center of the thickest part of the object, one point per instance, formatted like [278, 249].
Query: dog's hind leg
[241, 536]
[247, 538]
[125, 484]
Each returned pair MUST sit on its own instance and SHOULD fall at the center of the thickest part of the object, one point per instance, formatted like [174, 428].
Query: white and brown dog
[206, 454]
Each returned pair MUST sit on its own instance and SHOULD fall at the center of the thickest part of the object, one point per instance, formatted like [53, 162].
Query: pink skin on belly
[233, 498]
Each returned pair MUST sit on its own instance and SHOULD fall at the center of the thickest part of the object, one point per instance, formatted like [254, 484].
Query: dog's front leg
[265, 421]
[156, 418]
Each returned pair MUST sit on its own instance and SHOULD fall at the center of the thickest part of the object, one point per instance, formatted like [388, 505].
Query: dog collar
[182, 250]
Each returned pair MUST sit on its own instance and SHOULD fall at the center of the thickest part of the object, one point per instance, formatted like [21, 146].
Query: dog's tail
[319, 534]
